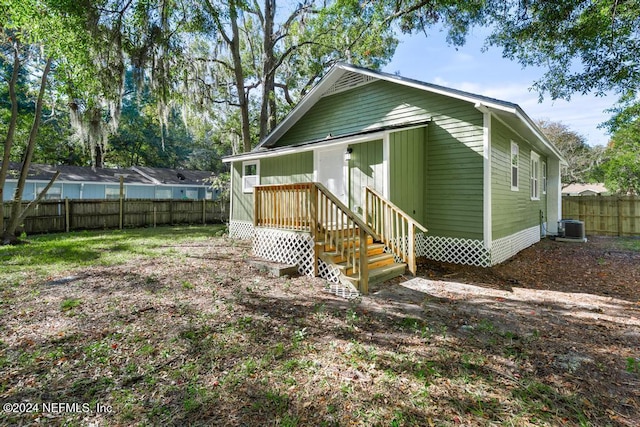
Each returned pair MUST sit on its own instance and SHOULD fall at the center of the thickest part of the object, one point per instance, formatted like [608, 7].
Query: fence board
[604, 215]
[50, 215]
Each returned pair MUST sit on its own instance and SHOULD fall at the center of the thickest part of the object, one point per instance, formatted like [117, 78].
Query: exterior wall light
[347, 154]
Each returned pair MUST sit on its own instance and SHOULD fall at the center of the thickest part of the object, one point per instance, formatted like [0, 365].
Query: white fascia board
[304, 105]
[310, 147]
[428, 88]
[538, 133]
[524, 118]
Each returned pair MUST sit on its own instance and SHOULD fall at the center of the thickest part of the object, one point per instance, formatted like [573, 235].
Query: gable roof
[597, 188]
[133, 175]
[343, 77]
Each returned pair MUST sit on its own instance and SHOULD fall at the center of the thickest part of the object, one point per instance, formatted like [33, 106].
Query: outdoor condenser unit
[571, 230]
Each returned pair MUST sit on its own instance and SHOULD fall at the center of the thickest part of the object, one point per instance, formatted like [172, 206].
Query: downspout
[486, 185]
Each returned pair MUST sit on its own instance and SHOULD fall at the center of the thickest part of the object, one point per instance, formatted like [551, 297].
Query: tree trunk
[243, 99]
[9, 234]
[268, 106]
[8, 142]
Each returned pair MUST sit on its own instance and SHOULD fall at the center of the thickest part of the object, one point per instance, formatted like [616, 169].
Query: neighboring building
[77, 182]
[596, 189]
[475, 171]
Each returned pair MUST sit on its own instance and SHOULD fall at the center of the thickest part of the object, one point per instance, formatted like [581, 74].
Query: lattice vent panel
[506, 247]
[241, 230]
[454, 250]
[347, 81]
[286, 247]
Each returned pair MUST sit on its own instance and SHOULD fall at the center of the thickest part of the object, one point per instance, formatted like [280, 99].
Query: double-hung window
[535, 176]
[544, 177]
[515, 164]
[250, 175]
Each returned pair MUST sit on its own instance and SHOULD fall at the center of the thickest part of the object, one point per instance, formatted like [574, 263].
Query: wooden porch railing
[396, 229]
[311, 207]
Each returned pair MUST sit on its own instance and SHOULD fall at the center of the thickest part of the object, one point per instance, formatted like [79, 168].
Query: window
[515, 160]
[164, 193]
[250, 175]
[535, 176]
[54, 193]
[191, 194]
[112, 193]
[544, 177]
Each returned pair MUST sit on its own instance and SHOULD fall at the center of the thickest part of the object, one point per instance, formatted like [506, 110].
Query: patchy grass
[170, 326]
[629, 243]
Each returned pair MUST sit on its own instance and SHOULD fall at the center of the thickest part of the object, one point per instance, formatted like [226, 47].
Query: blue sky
[430, 59]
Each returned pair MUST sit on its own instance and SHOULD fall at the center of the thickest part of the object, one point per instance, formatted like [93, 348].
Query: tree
[259, 51]
[34, 32]
[585, 45]
[584, 162]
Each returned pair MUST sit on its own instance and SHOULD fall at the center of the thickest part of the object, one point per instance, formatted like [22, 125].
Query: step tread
[376, 272]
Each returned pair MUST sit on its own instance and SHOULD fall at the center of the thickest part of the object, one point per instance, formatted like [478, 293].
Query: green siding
[454, 202]
[365, 171]
[379, 104]
[451, 189]
[407, 151]
[513, 211]
[242, 202]
[273, 170]
[287, 169]
[435, 172]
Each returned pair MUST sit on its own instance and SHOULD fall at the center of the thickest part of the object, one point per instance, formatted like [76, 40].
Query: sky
[430, 59]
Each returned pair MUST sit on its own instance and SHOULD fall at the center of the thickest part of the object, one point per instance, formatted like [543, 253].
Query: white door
[330, 167]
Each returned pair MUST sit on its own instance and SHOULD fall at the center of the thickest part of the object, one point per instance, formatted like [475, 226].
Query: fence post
[204, 211]
[619, 207]
[121, 201]
[67, 215]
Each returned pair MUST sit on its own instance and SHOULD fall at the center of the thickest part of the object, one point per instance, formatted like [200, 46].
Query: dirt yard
[580, 301]
[190, 334]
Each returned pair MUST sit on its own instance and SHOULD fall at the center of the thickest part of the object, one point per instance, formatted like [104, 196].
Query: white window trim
[246, 187]
[113, 193]
[534, 175]
[517, 166]
[544, 178]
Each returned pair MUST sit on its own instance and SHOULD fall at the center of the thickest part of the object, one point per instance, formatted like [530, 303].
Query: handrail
[355, 218]
[396, 228]
[313, 208]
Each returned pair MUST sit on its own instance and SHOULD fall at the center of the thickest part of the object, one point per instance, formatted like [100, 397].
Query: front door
[330, 168]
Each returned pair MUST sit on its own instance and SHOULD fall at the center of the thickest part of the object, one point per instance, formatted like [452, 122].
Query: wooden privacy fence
[604, 215]
[66, 215]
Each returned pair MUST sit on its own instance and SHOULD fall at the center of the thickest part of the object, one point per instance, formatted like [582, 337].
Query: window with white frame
[112, 192]
[535, 176]
[544, 177]
[164, 193]
[515, 163]
[54, 193]
[250, 175]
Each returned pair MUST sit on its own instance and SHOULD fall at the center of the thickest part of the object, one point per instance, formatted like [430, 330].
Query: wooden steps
[381, 265]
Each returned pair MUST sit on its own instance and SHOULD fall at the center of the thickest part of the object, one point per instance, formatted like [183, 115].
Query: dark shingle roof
[133, 175]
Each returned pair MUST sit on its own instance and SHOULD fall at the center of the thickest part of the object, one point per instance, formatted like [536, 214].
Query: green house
[476, 173]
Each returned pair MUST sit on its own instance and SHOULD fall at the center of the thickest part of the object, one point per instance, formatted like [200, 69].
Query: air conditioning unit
[571, 230]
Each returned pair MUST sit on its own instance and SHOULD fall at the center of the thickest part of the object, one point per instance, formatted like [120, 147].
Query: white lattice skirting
[453, 249]
[297, 248]
[287, 247]
[506, 247]
[474, 252]
[241, 230]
